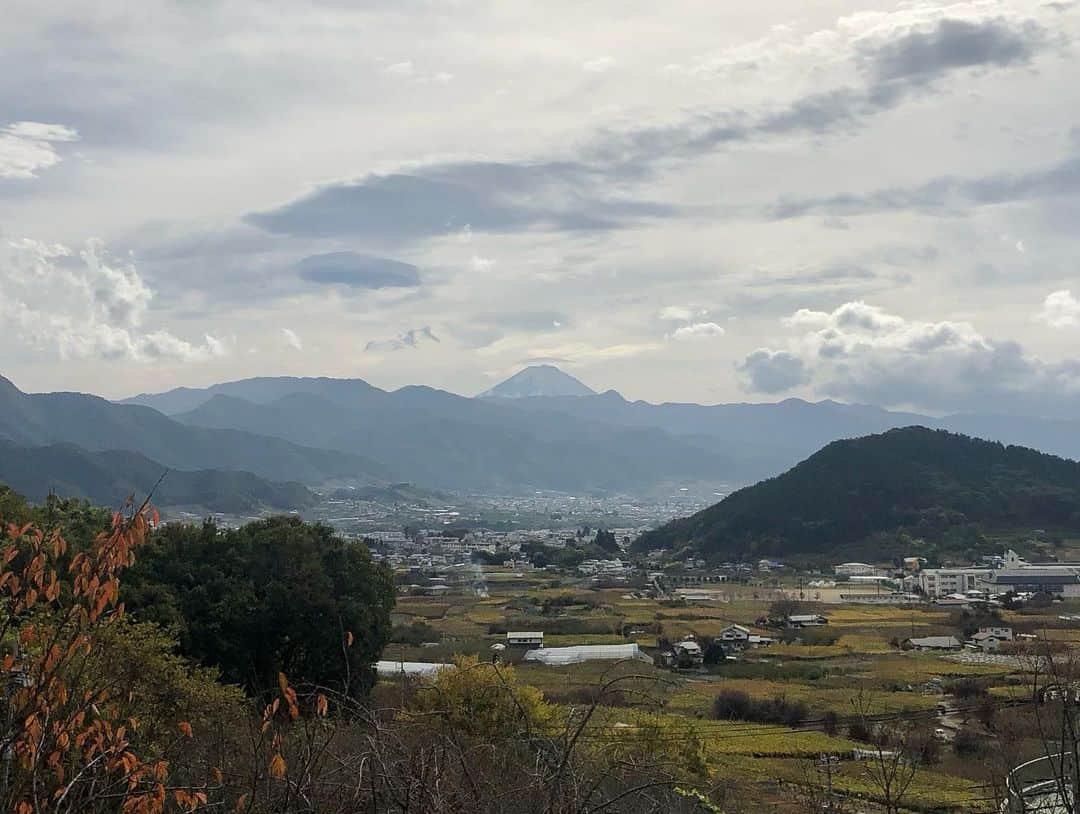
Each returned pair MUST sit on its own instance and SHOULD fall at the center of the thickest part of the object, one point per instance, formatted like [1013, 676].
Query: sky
[685, 201]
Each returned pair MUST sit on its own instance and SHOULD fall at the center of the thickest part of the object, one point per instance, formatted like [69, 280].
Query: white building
[935, 582]
[525, 638]
[855, 569]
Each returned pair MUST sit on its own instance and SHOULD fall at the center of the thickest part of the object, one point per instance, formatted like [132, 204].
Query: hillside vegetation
[926, 482]
[105, 477]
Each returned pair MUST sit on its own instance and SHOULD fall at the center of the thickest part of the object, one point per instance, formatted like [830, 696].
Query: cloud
[863, 353]
[598, 65]
[412, 338]
[85, 305]
[358, 271]
[772, 371]
[478, 263]
[697, 330]
[448, 198]
[946, 193]
[1060, 310]
[676, 313]
[292, 339]
[950, 44]
[26, 148]
[404, 69]
[898, 54]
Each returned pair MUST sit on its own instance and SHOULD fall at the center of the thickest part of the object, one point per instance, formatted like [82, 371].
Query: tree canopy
[277, 595]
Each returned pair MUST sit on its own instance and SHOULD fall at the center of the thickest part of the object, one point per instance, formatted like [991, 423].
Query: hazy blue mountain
[931, 483]
[107, 478]
[97, 425]
[538, 380]
[792, 429]
[568, 442]
[260, 390]
[441, 440]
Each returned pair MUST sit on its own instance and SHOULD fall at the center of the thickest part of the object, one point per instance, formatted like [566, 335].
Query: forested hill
[106, 477]
[915, 479]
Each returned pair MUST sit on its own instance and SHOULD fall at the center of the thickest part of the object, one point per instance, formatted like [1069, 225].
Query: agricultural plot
[848, 668]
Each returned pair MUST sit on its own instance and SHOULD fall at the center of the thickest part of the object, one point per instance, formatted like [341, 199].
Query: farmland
[850, 668]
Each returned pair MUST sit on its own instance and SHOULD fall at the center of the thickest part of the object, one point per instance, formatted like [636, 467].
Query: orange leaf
[283, 683]
[219, 778]
[185, 729]
[348, 638]
[277, 766]
[241, 801]
[321, 705]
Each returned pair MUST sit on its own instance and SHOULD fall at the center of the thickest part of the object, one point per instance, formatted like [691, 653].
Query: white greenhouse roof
[394, 669]
[587, 652]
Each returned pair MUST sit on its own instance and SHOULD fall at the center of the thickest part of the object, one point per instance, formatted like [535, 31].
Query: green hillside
[107, 478]
[927, 482]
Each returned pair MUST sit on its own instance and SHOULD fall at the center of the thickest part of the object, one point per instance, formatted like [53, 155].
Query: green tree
[277, 595]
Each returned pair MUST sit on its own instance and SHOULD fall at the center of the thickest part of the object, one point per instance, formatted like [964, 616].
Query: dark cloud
[921, 55]
[946, 193]
[484, 196]
[772, 371]
[358, 271]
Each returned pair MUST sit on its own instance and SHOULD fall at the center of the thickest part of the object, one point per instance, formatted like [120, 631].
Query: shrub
[738, 705]
[969, 743]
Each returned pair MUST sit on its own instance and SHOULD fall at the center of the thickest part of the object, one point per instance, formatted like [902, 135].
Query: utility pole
[828, 766]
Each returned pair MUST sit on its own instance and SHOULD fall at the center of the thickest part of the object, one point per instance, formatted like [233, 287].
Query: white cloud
[412, 338]
[698, 330]
[478, 263]
[404, 69]
[599, 65]
[863, 353]
[85, 305]
[1060, 310]
[292, 339]
[676, 313]
[26, 148]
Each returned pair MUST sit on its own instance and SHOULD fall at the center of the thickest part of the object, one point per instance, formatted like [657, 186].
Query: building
[935, 582]
[1055, 579]
[935, 643]
[801, 620]
[987, 641]
[855, 569]
[735, 634]
[688, 653]
[525, 638]
[737, 637]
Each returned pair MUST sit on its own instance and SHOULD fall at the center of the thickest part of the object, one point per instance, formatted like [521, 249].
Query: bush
[735, 705]
[969, 743]
[415, 633]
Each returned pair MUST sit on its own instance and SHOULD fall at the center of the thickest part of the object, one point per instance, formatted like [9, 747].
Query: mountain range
[540, 429]
[106, 478]
[928, 483]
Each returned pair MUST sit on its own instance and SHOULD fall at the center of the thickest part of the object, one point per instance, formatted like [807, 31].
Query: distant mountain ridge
[538, 381]
[108, 477]
[917, 479]
[97, 425]
[584, 441]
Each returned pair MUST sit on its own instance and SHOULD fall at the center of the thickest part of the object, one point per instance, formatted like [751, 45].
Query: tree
[897, 751]
[784, 607]
[606, 540]
[275, 596]
[71, 730]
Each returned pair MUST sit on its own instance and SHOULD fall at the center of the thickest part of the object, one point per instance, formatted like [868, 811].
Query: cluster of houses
[987, 640]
